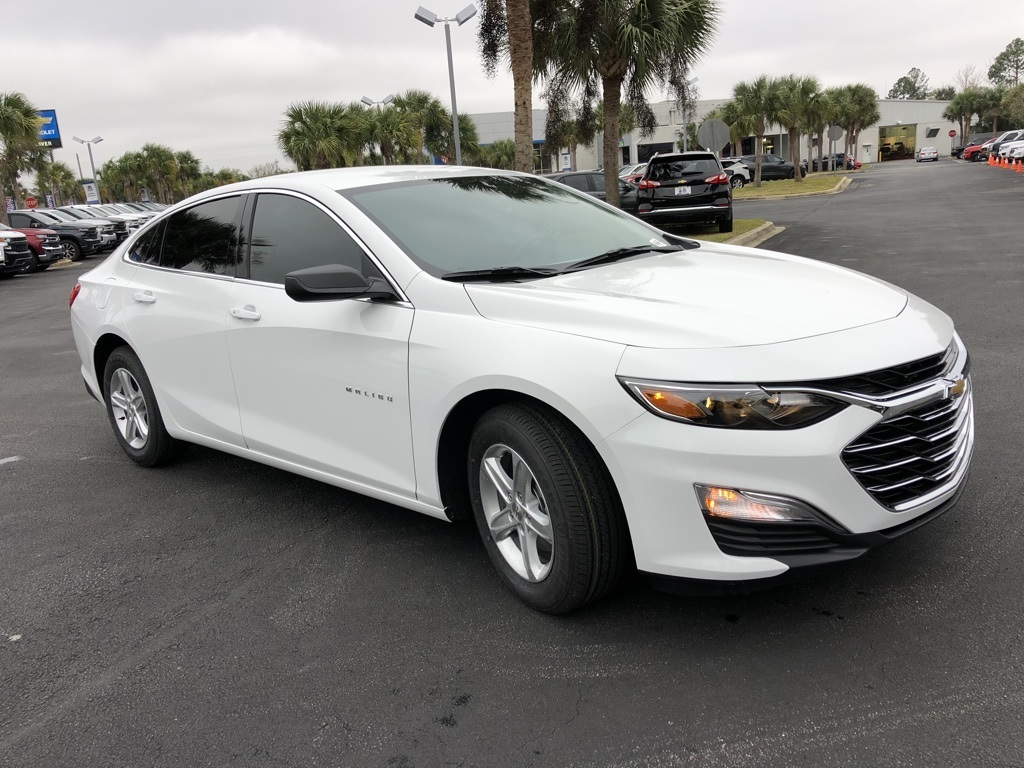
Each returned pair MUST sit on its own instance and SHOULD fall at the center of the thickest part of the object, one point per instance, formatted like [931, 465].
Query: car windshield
[60, 216]
[488, 222]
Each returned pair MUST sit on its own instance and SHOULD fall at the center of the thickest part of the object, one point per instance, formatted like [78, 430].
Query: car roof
[681, 156]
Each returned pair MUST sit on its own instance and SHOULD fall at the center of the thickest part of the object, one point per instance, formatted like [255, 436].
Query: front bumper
[656, 463]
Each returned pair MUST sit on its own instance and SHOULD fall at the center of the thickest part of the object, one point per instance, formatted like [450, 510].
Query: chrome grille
[17, 247]
[899, 377]
[916, 456]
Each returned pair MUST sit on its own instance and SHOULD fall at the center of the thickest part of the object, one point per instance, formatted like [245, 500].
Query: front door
[320, 384]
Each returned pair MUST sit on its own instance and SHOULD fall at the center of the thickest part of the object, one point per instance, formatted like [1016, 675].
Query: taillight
[74, 293]
[648, 184]
[720, 178]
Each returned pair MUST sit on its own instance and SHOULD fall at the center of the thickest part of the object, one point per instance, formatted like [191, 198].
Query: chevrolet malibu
[596, 394]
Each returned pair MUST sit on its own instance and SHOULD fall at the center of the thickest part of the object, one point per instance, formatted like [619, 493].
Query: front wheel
[72, 250]
[33, 266]
[791, 175]
[546, 509]
[134, 413]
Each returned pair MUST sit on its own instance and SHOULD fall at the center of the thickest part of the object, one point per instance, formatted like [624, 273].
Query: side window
[576, 182]
[290, 234]
[597, 179]
[203, 238]
[146, 250]
[19, 220]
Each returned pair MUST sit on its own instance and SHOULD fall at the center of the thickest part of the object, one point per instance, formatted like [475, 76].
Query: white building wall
[922, 114]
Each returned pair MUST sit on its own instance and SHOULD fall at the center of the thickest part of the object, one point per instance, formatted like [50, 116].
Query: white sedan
[485, 344]
[927, 153]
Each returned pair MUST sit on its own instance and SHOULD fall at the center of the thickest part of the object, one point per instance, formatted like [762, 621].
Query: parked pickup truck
[77, 238]
[15, 254]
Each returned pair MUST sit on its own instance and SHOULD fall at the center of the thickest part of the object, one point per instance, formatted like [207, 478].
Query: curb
[840, 187]
[755, 236]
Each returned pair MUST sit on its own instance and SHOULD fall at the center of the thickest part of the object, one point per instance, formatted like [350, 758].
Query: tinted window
[576, 182]
[146, 249]
[671, 170]
[19, 220]
[290, 234]
[597, 179]
[202, 239]
[932, 133]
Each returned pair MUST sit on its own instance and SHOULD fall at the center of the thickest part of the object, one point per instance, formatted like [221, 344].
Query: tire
[562, 542]
[725, 226]
[791, 175]
[72, 250]
[33, 266]
[737, 182]
[133, 412]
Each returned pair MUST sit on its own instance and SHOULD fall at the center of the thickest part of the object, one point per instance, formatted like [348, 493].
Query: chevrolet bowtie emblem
[955, 387]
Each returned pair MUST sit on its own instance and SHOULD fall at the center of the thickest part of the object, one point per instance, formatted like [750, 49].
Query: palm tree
[519, 32]
[859, 107]
[393, 130]
[757, 103]
[63, 183]
[443, 143]
[621, 48]
[500, 154]
[427, 115]
[19, 128]
[799, 95]
[189, 169]
[317, 134]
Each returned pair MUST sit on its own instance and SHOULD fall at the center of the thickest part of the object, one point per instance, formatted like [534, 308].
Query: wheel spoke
[522, 478]
[501, 524]
[118, 399]
[125, 382]
[537, 521]
[531, 557]
[498, 477]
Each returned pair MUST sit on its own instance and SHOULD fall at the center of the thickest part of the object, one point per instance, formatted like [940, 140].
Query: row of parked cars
[1009, 144]
[38, 237]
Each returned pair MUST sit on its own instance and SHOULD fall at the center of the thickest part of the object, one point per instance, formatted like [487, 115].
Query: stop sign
[31, 202]
[952, 133]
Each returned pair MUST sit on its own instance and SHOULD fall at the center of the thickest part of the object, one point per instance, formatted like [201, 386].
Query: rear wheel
[546, 509]
[725, 226]
[134, 413]
[737, 181]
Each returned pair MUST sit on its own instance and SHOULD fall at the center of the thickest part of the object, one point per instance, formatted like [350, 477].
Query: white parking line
[10, 459]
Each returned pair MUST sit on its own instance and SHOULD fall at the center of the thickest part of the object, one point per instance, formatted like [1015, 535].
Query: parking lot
[221, 612]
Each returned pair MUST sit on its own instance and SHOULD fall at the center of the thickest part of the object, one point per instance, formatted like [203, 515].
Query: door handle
[144, 297]
[248, 312]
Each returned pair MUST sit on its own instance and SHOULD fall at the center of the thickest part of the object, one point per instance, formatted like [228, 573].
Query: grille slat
[899, 377]
[747, 538]
[903, 459]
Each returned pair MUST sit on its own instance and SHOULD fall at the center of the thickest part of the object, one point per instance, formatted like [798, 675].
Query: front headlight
[732, 406]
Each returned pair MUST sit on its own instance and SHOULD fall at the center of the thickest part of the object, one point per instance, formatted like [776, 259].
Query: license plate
[682, 190]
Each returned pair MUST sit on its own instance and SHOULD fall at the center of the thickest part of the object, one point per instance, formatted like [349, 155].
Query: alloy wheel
[129, 407]
[516, 513]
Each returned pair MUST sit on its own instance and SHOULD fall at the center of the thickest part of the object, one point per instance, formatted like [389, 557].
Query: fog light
[751, 506]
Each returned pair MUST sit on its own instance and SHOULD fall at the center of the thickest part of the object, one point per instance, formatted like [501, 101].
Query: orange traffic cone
[1020, 166]
[991, 160]
[1006, 163]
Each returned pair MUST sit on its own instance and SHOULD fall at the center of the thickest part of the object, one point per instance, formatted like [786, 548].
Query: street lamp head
[97, 140]
[388, 99]
[465, 14]
[367, 101]
[427, 17]
[80, 141]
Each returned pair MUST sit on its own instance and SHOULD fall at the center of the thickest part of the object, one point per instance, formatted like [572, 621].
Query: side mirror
[333, 282]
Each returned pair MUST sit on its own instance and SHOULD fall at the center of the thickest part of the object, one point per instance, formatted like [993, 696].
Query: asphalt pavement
[219, 612]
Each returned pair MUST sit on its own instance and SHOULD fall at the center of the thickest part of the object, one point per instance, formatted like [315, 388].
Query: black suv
[774, 167]
[77, 238]
[685, 188]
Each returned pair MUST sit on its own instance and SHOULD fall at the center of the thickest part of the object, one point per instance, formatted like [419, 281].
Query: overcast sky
[215, 76]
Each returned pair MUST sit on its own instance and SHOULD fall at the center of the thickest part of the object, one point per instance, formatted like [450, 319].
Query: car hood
[712, 296]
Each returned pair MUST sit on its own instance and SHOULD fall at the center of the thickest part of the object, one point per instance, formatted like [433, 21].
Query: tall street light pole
[88, 143]
[380, 104]
[430, 18]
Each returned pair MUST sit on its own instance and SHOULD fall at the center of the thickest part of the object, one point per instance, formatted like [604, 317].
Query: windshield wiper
[621, 253]
[499, 274]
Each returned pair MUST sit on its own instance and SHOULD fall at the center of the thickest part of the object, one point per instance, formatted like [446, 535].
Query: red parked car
[45, 246]
[978, 151]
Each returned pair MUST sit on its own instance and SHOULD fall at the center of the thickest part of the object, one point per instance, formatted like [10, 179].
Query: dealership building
[903, 128]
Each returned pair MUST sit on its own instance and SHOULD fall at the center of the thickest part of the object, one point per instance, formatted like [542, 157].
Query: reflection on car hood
[713, 296]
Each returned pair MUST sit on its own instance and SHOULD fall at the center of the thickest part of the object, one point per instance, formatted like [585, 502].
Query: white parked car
[927, 153]
[592, 391]
[1012, 149]
[740, 175]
